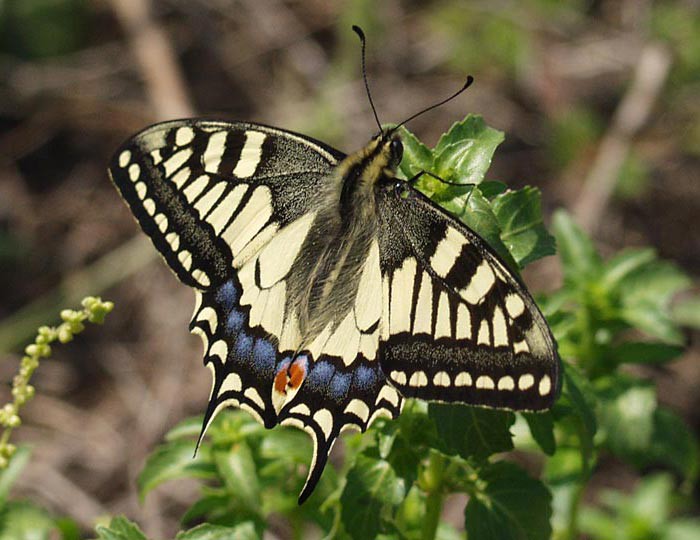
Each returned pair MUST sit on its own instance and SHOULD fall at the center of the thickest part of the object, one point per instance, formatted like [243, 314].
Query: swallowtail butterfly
[327, 289]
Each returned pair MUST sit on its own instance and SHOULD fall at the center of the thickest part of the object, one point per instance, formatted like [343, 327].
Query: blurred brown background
[598, 100]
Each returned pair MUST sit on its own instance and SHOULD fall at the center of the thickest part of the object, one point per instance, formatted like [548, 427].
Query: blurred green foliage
[571, 133]
[609, 315]
[36, 29]
[646, 513]
[392, 481]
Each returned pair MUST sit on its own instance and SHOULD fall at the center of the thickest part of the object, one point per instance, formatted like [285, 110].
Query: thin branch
[633, 111]
[66, 496]
[169, 98]
[156, 59]
[100, 275]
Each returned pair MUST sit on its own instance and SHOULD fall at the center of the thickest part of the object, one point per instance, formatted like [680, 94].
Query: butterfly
[327, 289]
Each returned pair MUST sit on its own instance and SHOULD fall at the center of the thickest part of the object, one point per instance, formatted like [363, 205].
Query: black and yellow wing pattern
[229, 207]
[462, 327]
[326, 290]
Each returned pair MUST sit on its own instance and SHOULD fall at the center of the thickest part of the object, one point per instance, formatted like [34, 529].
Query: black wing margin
[458, 325]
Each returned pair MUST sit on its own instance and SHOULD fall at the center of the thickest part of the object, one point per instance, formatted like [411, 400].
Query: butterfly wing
[227, 205]
[458, 325]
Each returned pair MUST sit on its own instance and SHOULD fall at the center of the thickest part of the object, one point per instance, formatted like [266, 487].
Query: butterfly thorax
[340, 239]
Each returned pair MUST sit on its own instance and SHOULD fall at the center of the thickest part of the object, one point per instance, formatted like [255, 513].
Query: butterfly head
[395, 151]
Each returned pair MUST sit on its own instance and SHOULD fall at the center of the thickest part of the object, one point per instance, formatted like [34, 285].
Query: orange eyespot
[281, 381]
[297, 373]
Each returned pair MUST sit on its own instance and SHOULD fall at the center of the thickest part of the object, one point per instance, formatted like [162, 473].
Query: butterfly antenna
[466, 85]
[363, 40]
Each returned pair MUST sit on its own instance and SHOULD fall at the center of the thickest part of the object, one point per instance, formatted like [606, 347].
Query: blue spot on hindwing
[340, 384]
[263, 356]
[227, 295]
[320, 376]
[235, 321]
[365, 377]
[244, 346]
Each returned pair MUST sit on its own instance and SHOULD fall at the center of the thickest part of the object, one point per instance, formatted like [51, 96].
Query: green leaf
[120, 528]
[578, 400]
[416, 156]
[627, 415]
[640, 432]
[214, 504]
[600, 525]
[237, 469]
[371, 490]
[687, 312]
[542, 430]
[43, 28]
[410, 515]
[68, 528]
[519, 214]
[509, 505]
[474, 210]
[464, 153]
[644, 514]
[471, 431]
[654, 283]
[405, 459]
[625, 263]
[447, 532]
[656, 323]
[414, 423]
[14, 468]
[189, 428]
[579, 258]
[673, 444]
[652, 500]
[683, 529]
[286, 444]
[206, 531]
[564, 467]
[644, 352]
[646, 295]
[20, 520]
[172, 460]
[564, 504]
[492, 188]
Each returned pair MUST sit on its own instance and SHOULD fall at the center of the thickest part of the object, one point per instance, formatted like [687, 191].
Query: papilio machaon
[327, 290]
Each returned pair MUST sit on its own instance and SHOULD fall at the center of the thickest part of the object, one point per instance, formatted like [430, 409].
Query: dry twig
[650, 74]
[156, 60]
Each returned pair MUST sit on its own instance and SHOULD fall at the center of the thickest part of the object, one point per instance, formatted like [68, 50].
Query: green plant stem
[94, 310]
[434, 486]
[577, 497]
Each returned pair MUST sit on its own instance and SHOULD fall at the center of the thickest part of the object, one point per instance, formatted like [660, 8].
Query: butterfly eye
[396, 151]
[401, 188]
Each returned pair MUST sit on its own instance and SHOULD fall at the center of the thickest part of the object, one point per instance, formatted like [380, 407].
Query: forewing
[227, 205]
[209, 194]
[457, 324]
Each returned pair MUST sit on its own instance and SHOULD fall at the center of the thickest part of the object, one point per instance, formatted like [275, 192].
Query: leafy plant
[646, 513]
[392, 481]
[23, 519]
